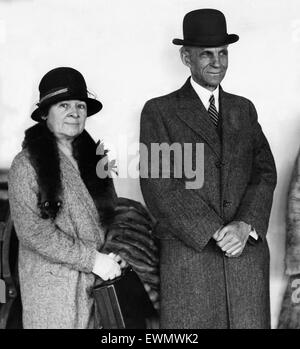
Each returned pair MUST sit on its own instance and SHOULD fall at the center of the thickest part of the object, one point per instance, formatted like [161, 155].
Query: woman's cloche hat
[205, 28]
[61, 84]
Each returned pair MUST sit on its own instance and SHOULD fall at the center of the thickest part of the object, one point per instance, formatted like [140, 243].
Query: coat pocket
[52, 274]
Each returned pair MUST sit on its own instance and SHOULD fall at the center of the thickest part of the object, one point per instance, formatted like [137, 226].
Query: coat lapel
[231, 120]
[193, 113]
[72, 178]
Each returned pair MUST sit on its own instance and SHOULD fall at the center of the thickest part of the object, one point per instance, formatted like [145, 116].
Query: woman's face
[66, 119]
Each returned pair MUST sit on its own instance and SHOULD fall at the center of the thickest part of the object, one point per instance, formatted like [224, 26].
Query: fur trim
[289, 317]
[292, 258]
[44, 157]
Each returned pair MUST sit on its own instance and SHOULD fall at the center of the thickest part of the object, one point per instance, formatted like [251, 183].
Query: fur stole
[290, 310]
[44, 157]
[292, 258]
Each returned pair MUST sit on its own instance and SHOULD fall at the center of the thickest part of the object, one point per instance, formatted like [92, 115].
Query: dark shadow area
[11, 310]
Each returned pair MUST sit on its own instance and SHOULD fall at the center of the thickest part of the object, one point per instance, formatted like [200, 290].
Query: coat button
[219, 164]
[226, 203]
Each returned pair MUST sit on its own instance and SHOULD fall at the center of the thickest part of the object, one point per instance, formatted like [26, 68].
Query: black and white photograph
[149, 166]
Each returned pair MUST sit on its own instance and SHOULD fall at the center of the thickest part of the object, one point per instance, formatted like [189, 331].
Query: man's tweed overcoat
[200, 287]
[55, 257]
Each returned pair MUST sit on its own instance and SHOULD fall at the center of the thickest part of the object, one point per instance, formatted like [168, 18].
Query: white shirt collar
[204, 94]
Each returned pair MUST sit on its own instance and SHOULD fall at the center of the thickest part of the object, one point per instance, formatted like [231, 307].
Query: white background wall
[124, 50]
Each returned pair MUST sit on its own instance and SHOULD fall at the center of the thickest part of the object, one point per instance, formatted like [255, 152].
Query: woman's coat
[56, 258]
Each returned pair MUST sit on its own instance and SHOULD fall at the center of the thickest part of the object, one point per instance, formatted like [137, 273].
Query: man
[214, 257]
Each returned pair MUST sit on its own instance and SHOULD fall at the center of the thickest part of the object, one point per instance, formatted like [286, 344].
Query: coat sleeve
[256, 204]
[42, 235]
[292, 258]
[180, 211]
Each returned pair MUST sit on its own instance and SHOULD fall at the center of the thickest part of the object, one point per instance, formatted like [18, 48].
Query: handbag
[122, 303]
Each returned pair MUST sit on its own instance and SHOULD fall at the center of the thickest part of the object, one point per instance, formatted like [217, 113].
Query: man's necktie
[212, 111]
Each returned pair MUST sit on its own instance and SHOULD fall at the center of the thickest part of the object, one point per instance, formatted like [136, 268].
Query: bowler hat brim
[93, 106]
[209, 42]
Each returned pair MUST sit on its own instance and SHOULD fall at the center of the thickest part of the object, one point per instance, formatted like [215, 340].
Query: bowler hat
[205, 28]
[61, 84]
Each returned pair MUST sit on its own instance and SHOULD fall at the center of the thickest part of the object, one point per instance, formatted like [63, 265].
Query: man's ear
[185, 57]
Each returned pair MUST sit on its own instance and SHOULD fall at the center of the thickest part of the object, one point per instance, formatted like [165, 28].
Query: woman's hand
[123, 264]
[106, 266]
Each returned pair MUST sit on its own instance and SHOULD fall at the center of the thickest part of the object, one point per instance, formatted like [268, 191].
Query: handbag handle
[100, 282]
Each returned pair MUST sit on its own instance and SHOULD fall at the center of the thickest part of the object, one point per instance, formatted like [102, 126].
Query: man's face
[208, 65]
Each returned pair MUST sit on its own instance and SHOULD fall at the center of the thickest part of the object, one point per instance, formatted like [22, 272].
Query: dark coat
[200, 287]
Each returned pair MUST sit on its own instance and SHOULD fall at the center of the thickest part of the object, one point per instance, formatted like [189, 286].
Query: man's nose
[216, 61]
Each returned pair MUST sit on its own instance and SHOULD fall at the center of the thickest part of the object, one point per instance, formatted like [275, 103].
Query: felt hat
[205, 28]
[61, 84]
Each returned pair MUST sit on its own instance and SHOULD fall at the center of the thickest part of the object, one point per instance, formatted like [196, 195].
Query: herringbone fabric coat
[56, 258]
[200, 287]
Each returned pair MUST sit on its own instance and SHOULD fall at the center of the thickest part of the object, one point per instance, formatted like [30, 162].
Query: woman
[60, 207]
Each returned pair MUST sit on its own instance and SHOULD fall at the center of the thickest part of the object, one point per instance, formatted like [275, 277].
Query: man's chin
[214, 80]
[213, 83]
